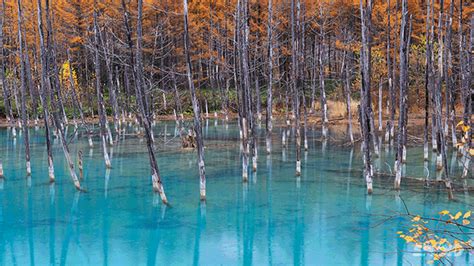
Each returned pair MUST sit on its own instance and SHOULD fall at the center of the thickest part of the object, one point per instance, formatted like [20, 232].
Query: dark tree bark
[364, 113]
[403, 94]
[442, 160]
[390, 129]
[243, 37]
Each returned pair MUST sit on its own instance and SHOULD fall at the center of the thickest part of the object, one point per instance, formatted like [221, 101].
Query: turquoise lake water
[323, 218]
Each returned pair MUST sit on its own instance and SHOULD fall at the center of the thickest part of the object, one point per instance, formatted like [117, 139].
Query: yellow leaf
[465, 222]
[416, 219]
[457, 215]
[460, 123]
[444, 212]
[399, 232]
[467, 215]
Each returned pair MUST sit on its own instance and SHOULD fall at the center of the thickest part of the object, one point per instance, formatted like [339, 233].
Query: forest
[389, 80]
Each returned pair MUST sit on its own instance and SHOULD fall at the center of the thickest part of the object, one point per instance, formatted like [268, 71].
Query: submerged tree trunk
[269, 117]
[322, 86]
[295, 80]
[98, 84]
[44, 102]
[54, 102]
[403, 94]
[442, 150]
[364, 113]
[243, 37]
[428, 84]
[144, 116]
[196, 108]
[391, 124]
[24, 116]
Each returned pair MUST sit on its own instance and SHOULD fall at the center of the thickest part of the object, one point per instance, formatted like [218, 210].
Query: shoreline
[337, 125]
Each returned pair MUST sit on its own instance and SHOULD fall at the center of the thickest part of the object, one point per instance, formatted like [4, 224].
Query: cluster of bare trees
[306, 54]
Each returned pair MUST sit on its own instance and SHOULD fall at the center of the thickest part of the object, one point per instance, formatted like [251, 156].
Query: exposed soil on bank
[338, 126]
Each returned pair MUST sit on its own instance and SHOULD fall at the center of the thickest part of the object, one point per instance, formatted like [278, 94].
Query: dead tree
[242, 41]
[390, 133]
[144, 115]
[295, 80]
[6, 94]
[269, 117]
[98, 84]
[196, 108]
[364, 113]
[51, 52]
[322, 85]
[428, 78]
[450, 124]
[43, 93]
[401, 149]
[442, 160]
[24, 115]
[347, 74]
[111, 85]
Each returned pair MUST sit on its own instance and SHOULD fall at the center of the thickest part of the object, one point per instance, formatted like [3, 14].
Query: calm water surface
[324, 218]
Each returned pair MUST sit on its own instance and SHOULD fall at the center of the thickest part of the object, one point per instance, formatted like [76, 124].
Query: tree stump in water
[189, 140]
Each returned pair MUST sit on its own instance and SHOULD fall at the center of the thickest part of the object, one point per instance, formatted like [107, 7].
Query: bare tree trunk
[403, 94]
[428, 85]
[24, 116]
[295, 79]
[6, 94]
[243, 37]
[44, 102]
[324, 107]
[442, 153]
[144, 111]
[380, 106]
[390, 129]
[100, 97]
[450, 94]
[364, 113]
[112, 90]
[269, 117]
[196, 108]
[347, 93]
